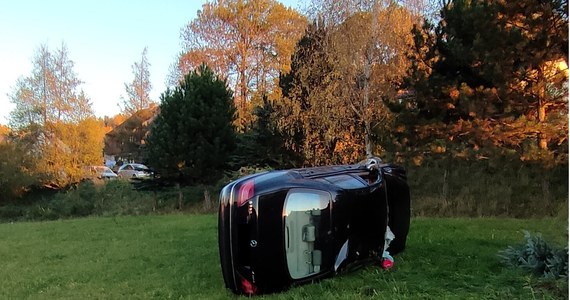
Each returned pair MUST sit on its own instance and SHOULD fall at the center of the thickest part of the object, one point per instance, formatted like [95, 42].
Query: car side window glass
[346, 181]
[306, 220]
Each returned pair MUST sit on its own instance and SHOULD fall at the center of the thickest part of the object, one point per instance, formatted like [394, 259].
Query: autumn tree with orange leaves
[348, 65]
[53, 121]
[247, 42]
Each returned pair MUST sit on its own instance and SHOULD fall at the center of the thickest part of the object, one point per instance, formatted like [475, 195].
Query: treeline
[53, 133]
[480, 80]
[473, 96]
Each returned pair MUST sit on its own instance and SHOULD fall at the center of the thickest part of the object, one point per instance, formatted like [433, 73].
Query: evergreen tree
[15, 177]
[193, 135]
[262, 145]
[487, 76]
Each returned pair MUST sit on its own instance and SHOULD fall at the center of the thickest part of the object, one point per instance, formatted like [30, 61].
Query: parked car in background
[289, 227]
[133, 170]
[99, 172]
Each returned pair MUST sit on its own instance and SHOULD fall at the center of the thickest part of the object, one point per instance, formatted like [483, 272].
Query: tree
[306, 116]
[50, 94]
[247, 42]
[193, 135]
[53, 120]
[344, 70]
[15, 175]
[370, 50]
[261, 144]
[487, 75]
[67, 148]
[4, 131]
[138, 91]
[543, 42]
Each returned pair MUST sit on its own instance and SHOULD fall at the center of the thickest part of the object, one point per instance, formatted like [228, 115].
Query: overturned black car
[281, 228]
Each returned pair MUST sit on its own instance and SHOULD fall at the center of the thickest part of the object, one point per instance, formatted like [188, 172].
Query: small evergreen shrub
[538, 257]
[76, 202]
[11, 212]
[41, 212]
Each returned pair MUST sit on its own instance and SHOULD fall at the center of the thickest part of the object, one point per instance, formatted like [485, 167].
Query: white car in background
[133, 170]
[99, 172]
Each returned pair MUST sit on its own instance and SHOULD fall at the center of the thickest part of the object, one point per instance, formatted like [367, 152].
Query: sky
[104, 38]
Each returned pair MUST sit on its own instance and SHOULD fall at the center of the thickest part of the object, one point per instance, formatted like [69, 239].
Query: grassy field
[176, 256]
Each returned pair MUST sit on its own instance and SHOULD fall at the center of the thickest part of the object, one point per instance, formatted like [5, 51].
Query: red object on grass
[387, 264]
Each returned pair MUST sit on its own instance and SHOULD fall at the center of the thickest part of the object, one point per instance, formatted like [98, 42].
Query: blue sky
[103, 37]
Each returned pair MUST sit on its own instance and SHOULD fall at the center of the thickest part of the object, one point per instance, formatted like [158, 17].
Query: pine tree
[262, 145]
[193, 135]
[487, 76]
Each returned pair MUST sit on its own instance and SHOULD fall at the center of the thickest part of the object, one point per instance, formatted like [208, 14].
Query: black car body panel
[280, 228]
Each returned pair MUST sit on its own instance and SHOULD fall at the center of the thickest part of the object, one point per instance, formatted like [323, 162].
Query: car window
[345, 181]
[306, 220]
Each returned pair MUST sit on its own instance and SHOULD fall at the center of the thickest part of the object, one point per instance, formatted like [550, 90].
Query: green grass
[176, 256]
[112, 258]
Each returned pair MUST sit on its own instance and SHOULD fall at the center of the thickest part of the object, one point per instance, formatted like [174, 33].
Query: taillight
[248, 287]
[245, 192]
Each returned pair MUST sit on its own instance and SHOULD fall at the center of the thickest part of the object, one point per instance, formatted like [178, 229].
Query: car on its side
[287, 227]
[133, 170]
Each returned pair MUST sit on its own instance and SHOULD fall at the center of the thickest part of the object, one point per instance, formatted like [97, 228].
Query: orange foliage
[4, 131]
[348, 149]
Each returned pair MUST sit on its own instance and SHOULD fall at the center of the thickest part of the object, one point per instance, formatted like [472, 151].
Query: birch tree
[369, 41]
